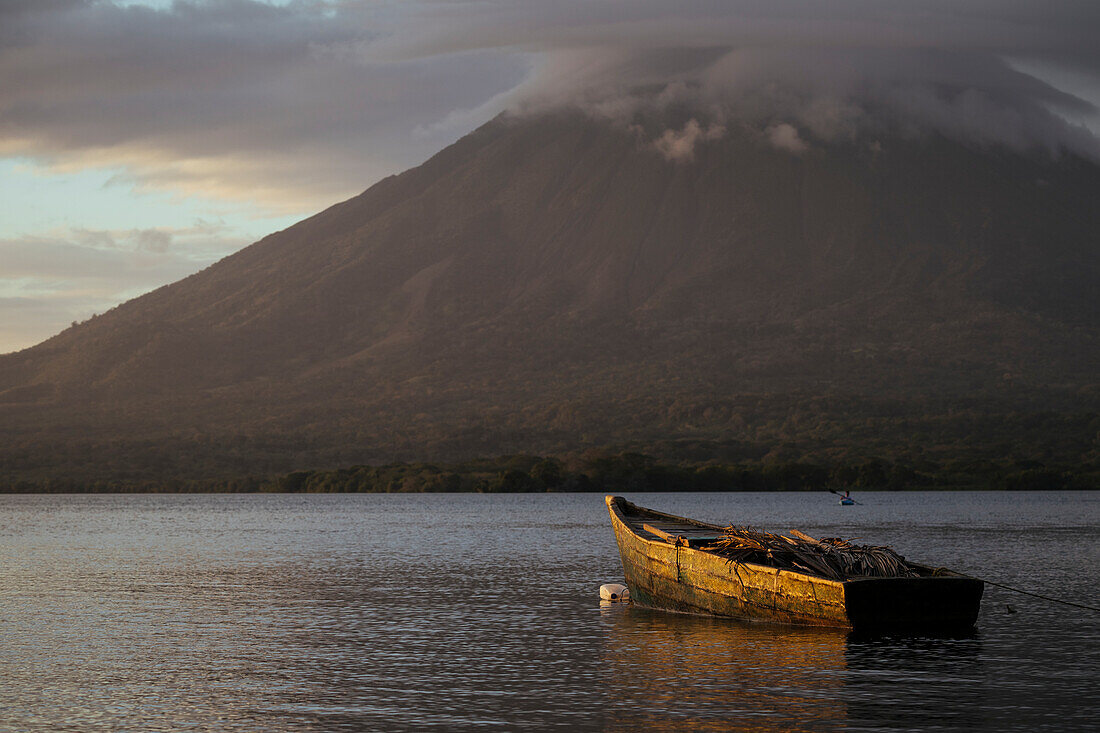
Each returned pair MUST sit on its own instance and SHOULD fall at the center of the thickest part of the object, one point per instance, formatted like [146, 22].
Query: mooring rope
[1036, 595]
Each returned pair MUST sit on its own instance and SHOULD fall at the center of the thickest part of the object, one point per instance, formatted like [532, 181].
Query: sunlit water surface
[462, 612]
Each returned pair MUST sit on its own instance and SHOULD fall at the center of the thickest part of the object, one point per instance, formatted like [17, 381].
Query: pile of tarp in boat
[830, 558]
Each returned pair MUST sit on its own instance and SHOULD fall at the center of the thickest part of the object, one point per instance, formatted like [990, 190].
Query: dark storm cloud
[304, 102]
[1062, 29]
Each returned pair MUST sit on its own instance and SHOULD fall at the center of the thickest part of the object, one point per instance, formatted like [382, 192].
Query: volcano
[556, 281]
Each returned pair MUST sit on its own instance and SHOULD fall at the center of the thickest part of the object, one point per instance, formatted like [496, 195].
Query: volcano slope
[553, 282]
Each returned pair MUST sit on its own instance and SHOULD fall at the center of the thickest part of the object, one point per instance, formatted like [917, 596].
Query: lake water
[472, 612]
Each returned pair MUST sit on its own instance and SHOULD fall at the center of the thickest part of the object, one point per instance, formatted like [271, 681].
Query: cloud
[679, 145]
[293, 106]
[827, 94]
[833, 70]
[1062, 30]
[785, 137]
[24, 320]
[279, 105]
[46, 282]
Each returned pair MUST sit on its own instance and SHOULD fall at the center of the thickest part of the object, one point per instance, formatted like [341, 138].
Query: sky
[141, 141]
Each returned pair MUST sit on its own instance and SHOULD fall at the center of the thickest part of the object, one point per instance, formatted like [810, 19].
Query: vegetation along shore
[608, 472]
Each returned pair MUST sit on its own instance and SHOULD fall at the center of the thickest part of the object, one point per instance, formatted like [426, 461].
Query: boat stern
[946, 603]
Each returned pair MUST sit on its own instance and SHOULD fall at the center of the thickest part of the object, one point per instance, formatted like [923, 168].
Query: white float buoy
[614, 592]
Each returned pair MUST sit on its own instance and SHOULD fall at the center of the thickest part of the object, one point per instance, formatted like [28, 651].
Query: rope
[1037, 595]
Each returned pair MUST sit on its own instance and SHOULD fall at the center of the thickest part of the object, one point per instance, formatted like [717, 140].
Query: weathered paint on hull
[681, 578]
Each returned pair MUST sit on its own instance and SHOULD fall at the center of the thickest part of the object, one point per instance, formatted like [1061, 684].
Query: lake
[481, 612]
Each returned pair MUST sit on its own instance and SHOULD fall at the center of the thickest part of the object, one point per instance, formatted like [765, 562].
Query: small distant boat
[671, 563]
[845, 498]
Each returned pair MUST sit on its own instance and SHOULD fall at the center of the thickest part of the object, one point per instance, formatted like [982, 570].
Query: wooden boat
[667, 566]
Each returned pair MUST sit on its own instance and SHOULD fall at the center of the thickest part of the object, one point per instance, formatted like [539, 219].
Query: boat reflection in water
[677, 672]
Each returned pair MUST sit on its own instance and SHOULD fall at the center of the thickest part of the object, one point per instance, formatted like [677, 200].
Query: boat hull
[678, 577]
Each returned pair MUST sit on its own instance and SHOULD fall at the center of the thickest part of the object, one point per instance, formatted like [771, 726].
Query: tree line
[616, 472]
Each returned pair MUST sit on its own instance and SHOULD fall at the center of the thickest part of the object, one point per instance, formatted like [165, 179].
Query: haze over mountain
[563, 278]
